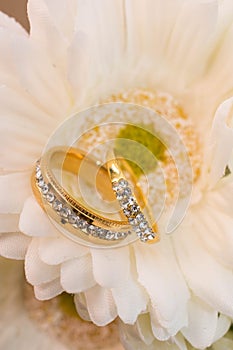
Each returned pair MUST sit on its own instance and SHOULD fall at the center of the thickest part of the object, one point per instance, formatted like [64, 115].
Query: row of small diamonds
[69, 216]
[132, 210]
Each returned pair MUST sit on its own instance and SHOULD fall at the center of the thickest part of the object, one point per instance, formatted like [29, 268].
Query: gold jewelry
[67, 211]
[132, 202]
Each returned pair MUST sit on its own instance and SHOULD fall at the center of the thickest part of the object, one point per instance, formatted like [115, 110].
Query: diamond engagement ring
[133, 203]
[74, 218]
[64, 209]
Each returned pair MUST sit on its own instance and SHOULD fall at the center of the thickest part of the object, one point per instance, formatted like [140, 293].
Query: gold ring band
[66, 210]
[137, 211]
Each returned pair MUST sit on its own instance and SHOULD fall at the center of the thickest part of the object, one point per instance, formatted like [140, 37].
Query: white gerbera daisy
[77, 54]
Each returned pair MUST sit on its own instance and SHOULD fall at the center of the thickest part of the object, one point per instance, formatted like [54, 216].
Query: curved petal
[111, 267]
[100, 305]
[202, 324]
[14, 189]
[11, 25]
[131, 341]
[63, 15]
[54, 251]
[40, 78]
[223, 325]
[44, 31]
[34, 222]
[14, 245]
[48, 290]
[77, 275]
[221, 142]
[160, 275]
[25, 128]
[208, 279]
[217, 228]
[36, 271]
[131, 300]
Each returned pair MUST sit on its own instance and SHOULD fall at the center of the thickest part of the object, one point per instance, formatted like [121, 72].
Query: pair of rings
[73, 217]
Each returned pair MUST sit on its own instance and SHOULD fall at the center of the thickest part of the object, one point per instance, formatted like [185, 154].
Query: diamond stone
[65, 212]
[120, 195]
[133, 221]
[45, 189]
[82, 224]
[38, 174]
[57, 205]
[143, 225]
[127, 192]
[131, 201]
[92, 230]
[50, 197]
[110, 235]
[41, 182]
[149, 237]
[123, 183]
[140, 217]
[72, 219]
[102, 233]
[127, 212]
[135, 209]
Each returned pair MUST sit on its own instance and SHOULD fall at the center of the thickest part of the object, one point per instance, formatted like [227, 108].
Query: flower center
[166, 171]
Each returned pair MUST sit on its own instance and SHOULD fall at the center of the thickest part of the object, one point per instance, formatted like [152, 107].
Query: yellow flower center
[169, 108]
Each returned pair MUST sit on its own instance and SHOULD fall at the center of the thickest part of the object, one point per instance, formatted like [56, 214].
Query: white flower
[140, 337]
[25, 325]
[82, 52]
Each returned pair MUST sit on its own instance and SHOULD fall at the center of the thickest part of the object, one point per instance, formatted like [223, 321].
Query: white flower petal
[222, 140]
[208, 279]
[41, 79]
[14, 189]
[131, 299]
[10, 24]
[202, 324]
[35, 222]
[131, 341]
[63, 15]
[104, 25]
[218, 239]
[100, 305]
[111, 267]
[159, 273]
[36, 271]
[81, 306]
[22, 126]
[44, 31]
[54, 251]
[144, 329]
[161, 333]
[218, 79]
[14, 245]
[186, 59]
[48, 290]
[223, 326]
[9, 223]
[77, 275]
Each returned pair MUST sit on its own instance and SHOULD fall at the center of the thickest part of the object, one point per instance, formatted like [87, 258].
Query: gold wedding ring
[74, 217]
[132, 201]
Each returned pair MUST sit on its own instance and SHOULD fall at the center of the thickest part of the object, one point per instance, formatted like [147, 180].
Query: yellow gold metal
[70, 159]
[117, 168]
